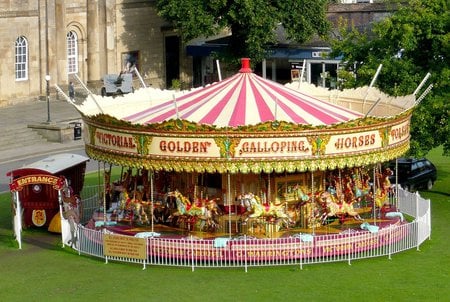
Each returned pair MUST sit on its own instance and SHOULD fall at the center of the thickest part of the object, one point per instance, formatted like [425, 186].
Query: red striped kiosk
[43, 192]
[273, 158]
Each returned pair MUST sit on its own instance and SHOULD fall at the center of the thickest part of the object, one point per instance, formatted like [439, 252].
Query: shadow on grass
[435, 192]
[42, 239]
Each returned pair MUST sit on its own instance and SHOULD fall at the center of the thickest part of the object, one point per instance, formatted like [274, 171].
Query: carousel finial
[245, 67]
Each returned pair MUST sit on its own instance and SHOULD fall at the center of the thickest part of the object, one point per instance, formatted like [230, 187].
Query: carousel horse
[160, 212]
[245, 203]
[130, 207]
[209, 219]
[304, 207]
[165, 209]
[381, 198]
[184, 205]
[300, 195]
[337, 209]
[348, 189]
[141, 212]
[206, 211]
[384, 186]
[365, 185]
[270, 211]
[360, 181]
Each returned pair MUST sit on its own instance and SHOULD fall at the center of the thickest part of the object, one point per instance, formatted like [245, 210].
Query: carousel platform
[257, 241]
[256, 228]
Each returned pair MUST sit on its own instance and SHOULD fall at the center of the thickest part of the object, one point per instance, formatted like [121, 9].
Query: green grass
[43, 271]
[94, 178]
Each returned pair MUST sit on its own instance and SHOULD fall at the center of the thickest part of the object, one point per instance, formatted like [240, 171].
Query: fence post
[389, 243]
[192, 254]
[349, 245]
[79, 230]
[146, 254]
[245, 252]
[301, 255]
[417, 221]
[429, 218]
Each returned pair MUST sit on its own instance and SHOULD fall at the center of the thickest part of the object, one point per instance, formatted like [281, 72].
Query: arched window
[21, 66]
[72, 52]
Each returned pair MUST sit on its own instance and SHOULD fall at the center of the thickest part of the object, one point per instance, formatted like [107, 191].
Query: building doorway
[172, 59]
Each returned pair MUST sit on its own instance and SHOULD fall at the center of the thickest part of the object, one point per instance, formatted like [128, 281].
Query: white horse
[335, 209]
[269, 211]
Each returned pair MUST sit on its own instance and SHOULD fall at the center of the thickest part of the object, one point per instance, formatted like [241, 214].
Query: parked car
[414, 173]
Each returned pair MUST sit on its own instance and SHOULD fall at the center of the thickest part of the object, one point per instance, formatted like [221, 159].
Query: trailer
[114, 84]
[37, 187]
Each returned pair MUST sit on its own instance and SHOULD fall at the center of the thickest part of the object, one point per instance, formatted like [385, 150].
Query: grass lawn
[43, 271]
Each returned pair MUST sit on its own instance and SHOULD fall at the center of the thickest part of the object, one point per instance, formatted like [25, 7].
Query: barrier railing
[91, 199]
[301, 249]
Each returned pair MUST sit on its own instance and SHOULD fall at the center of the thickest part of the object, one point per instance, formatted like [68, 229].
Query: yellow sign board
[124, 246]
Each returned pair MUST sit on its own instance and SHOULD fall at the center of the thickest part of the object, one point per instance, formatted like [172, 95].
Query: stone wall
[106, 30]
[360, 14]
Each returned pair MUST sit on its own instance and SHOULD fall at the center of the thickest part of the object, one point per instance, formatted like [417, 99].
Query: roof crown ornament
[245, 66]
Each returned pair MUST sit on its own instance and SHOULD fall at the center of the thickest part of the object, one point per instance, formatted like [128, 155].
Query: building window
[72, 52]
[21, 59]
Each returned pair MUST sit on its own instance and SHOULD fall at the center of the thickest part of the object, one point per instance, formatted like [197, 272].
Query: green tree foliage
[413, 41]
[251, 22]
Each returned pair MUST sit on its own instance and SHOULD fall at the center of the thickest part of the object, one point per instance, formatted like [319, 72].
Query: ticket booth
[37, 186]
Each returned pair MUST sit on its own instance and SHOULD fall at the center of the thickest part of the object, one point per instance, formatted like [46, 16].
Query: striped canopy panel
[245, 99]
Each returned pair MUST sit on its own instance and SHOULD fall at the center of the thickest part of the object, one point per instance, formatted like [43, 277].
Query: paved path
[35, 112]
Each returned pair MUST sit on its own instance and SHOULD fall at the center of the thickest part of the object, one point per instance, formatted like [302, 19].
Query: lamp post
[47, 79]
[47, 75]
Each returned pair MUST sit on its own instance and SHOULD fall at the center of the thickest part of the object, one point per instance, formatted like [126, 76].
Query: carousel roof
[244, 124]
[245, 99]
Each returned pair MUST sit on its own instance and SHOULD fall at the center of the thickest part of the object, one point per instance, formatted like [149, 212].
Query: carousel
[246, 156]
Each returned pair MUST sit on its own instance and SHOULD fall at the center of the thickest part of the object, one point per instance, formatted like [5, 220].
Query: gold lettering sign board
[200, 148]
[124, 246]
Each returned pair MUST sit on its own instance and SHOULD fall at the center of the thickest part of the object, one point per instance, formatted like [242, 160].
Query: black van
[414, 173]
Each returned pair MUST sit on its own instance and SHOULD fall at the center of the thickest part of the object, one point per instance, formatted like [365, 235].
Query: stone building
[57, 39]
[88, 38]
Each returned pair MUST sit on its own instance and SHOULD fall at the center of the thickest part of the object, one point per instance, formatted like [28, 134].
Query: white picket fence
[91, 202]
[297, 250]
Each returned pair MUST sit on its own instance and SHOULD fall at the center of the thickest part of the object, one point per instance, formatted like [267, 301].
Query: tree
[412, 41]
[253, 23]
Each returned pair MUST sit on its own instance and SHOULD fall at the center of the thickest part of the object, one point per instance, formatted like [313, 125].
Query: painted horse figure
[207, 211]
[333, 208]
[210, 217]
[383, 189]
[271, 212]
[184, 205]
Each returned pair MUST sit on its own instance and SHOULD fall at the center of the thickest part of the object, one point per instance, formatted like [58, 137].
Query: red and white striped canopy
[245, 99]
